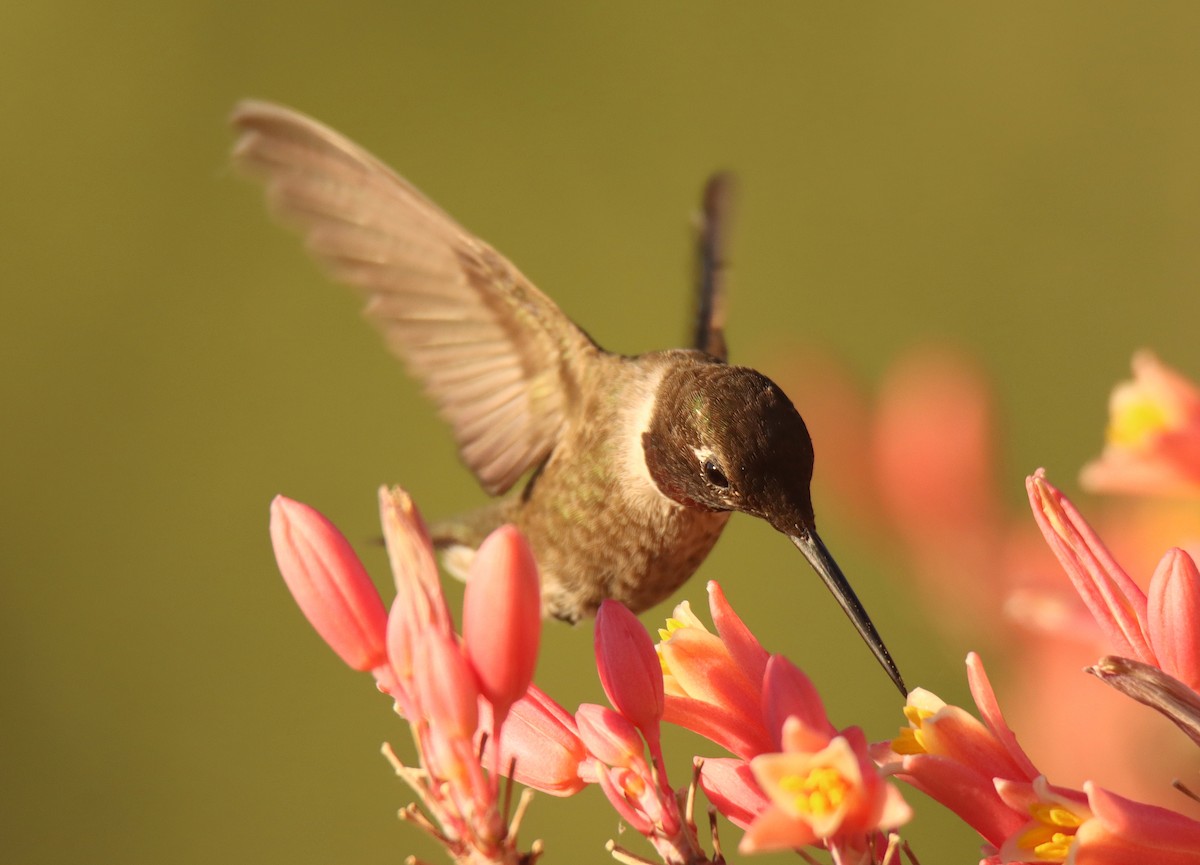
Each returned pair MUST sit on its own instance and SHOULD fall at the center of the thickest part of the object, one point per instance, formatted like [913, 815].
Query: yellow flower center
[911, 739]
[818, 793]
[1049, 838]
[1138, 419]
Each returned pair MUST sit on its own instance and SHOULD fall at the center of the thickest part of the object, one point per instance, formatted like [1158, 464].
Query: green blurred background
[1023, 180]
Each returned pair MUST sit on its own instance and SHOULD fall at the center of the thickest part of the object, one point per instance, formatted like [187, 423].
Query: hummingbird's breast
[598, 524]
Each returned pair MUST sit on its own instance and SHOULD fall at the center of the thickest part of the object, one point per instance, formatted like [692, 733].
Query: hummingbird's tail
[456, 539]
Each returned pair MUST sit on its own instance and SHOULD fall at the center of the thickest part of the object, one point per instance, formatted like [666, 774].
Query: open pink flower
[954, 758]
[1153, 439]
[821, 795]
[1094, 827]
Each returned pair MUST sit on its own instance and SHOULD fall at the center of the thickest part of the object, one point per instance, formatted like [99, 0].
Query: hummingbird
[634, 463]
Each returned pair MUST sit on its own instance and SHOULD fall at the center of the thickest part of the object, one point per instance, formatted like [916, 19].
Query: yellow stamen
[818, 793]
[672, 625]
[1053, 814]
[1137, 420]
[1052, 833]
[911, 739]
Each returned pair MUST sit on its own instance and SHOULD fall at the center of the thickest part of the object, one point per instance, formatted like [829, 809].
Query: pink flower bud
[502, 618]
[329, 583]
[1173, 615]
[445, 686]
[629, 667]
[419, 604]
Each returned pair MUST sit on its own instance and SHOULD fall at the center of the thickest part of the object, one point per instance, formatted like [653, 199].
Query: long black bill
[818, 556]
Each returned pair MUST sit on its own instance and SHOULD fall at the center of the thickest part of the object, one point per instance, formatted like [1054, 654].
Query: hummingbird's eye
[715, 476]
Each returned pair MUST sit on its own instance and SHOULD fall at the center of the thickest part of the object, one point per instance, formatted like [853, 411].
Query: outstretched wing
[712, 231]
[497, 355]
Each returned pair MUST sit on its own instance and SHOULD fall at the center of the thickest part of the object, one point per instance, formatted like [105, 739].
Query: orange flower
[1153, 439]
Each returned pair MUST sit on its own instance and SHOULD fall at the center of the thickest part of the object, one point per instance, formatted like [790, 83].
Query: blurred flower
[1153, 439]
[926, 494]
[915, 469]
[1163, 631]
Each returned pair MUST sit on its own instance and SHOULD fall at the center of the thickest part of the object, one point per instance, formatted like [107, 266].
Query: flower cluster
[796, 779]
[452, 692]
[475, 715]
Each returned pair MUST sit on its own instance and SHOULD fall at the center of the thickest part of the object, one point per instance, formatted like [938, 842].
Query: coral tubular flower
[449, 702]
[1114, 600]
[541, 743]
[1153, 438]
[954, 758]
[729, 784]
[329, 583]
[610, 738]
[715, 683]
[743, 646]
[419, 604]
[1054, 817]
[1123, 832]
[788, 693]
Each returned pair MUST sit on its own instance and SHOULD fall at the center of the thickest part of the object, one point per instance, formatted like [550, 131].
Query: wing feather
[498, 357]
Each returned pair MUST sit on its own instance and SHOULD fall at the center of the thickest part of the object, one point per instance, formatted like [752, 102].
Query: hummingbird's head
[726, 438]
